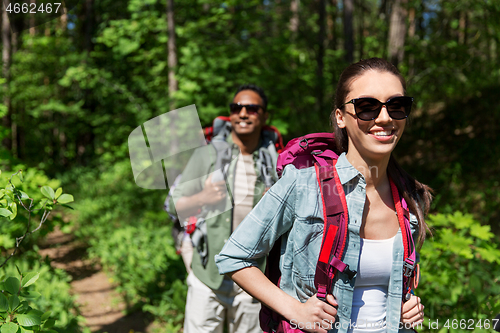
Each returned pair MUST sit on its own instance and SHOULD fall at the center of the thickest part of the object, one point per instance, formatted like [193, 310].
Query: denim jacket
[292, 209]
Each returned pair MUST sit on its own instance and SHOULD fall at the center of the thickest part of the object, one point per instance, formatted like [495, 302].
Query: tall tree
[294, 19]
[6, 56]
[320, 54]
[397, 32]
[172, 54]
[348, 30]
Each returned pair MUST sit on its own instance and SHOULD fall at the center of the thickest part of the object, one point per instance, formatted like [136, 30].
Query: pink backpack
[318, 150]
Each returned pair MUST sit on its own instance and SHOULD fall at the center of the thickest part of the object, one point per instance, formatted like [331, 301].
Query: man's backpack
[318, 150]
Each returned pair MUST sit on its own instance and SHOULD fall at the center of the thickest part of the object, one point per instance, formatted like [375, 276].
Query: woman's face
[374, 139]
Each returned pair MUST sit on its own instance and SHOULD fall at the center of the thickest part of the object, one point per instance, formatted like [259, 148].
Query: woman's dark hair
[417, 195]
[255, 88]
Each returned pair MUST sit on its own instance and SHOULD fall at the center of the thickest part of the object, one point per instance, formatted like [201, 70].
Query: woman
[369, 119]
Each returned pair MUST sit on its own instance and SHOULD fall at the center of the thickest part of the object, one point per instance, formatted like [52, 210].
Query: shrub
[460, 270]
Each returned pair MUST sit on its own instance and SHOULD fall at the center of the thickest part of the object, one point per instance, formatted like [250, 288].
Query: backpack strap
[410, 259]
[335, 218]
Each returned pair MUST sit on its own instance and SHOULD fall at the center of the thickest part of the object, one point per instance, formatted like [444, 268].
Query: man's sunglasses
[251, 108]
[368, 108]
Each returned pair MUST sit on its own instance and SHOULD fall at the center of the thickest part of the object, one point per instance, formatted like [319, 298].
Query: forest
[79, 77]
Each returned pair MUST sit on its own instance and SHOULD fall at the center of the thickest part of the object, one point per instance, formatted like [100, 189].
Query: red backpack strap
[335, 218]
[410, 259]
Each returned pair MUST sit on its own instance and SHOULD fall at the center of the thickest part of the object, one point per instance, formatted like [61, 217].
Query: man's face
[245, 122]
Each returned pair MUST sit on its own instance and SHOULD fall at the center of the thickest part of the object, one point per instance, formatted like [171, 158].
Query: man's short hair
[255, 88]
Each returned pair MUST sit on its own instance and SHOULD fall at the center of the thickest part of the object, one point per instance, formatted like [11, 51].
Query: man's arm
[192, 194]
[211, 194]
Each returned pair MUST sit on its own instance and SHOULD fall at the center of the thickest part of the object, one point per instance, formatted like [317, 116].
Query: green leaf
[24, 195]
[30, 278]
[4, 303]
[30, 294]
[46, 315]
[19, 271]
[12, 285]
[48, 192]
[67, 206]
[65, 198]
[29, 319]
[9, 328]
[23, 330]
[5, 212]
[49, 323]
[13, 302]
[20, 175]
[58, 192]
[13, 208]
[24, 307]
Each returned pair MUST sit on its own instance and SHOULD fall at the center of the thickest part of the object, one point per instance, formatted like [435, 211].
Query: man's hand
[315, 315]
[213, 193]
[412, 311]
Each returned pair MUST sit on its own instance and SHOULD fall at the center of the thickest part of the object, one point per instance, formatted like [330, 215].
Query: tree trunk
[320, 54]
[397, 32]
[332, 31]
[6, 54]
[172, 56]
[348, 31]
[294, 20]
[32, 21]
[462, 34]
[412, 27]
[89, 19]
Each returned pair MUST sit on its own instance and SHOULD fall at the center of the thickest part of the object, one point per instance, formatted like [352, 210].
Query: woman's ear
[339, 117]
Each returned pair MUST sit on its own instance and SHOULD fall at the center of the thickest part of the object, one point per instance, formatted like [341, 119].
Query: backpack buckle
[350, 273]
[408, 267]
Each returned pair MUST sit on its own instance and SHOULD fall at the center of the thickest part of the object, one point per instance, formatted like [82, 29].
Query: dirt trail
[99, 303]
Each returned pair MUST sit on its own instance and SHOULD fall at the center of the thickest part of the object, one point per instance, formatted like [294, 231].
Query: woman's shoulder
[299, 176]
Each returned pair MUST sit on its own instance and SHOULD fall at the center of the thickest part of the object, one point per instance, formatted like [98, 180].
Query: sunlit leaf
[9, 328]
[65, 198]
[30, 278]
[29, 319]
[5, 212]
[58, 192]
[48, 192]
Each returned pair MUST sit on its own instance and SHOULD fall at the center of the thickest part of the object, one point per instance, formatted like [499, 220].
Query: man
[249, 172]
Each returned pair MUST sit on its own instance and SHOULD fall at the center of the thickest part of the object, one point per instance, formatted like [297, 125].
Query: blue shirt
[291, 209]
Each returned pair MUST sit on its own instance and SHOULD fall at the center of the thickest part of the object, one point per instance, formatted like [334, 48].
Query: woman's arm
[314, 313]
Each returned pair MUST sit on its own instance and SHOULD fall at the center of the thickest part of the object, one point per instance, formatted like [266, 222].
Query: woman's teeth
[382, 133]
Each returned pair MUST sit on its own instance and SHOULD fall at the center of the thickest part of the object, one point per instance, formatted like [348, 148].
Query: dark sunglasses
[368, 108]
[251, 108]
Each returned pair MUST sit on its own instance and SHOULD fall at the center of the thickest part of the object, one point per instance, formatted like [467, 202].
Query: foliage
[131, 235]
[15, 311]
[80, 84]
[53, 286]
[462, 256]
[12, 197]
[149, 273]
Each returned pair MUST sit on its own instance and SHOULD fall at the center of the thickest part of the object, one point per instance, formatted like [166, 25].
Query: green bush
[54, 287]
[460, 271]
[130, 234]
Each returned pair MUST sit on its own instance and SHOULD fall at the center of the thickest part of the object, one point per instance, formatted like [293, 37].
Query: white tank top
[371, 287]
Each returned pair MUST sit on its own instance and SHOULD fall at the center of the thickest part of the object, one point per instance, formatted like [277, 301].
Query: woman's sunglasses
[251, 108]
[368, 108]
